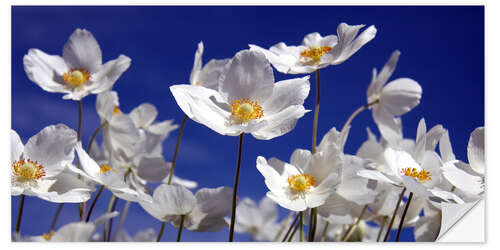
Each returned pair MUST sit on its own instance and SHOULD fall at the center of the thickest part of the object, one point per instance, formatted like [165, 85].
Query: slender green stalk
[381, 228]
[94, 202]
[293, 233]
[20, 213]
[235, 188]
[174, 160]
[122, 219]
[316, 113]
[325, 230]
[301, 225]
[79, 137]
[403, 216]
[359, 110]
[161, 231]
[110, 205]
[394, 215]
[56, 216]
[94, 135]
[312, 224]
[354, 225]
[180, 228]
[283, 225]
[111, 219]
[291, 227]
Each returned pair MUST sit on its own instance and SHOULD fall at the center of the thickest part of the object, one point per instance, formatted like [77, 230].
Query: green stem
[382, 228]
[56, 216]
[111, 219]
[20, 213]
[235, 188]
[403, 216]
[110, 205]
[325, 230]
[301, 225]
[180, 228]
[353, 226]
[316, 113]
[161, 231]
[79, 120]
[312, 224]
[293, 233]
[122, 219]
[394, 215]
[359, 110]
[291, 227]
[94, 202]
[174, 160]
[94, 135]
[283, 225]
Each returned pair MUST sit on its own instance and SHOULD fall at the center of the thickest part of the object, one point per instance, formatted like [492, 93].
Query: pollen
[300, 182]
[76, 77]
[116, 110]
[106, 168]
[28, 170]
[421, 175]
[313, 55]
[48, 236]
[244, 110]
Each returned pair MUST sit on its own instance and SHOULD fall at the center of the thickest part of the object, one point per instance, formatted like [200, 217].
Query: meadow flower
[208, 75]
[247, 99]
[203, 211]
[38, 168]
[79, 72]
[316, 51]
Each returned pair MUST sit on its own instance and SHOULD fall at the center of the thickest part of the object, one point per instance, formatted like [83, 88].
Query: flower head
[208, 75]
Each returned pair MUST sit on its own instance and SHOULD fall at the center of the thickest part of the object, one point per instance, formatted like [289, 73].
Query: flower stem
[235, 188]
[94, 135]
[161, 231]
[20, 213]
[94, 202]
[359, 110]
[403, 216]
[122, 219]
[291, 227]
[180, 228]
[79, 120]
[394, 215]
[354, 225]
[283, 225]
[294, 231]
[325, 230]
[111, 219]
[382, 228]
[56, 216]
[301, 225]
[110, 205]
[174, 160]
[316, 113]
[312, 224]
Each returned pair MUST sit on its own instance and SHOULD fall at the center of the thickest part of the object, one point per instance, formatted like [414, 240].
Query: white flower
[393, 99]
[317, 52]
[304, 183]
[247, 100]
[147, 235]
[427, 227]
[260, 220]
[208, 76]
[203, 212]
[38, 169]
[78, 72]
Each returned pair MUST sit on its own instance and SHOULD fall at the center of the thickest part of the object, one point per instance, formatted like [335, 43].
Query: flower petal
[144, 115]
[346, 47]
[475, 151]
[45, 70]
[152, 169]
[193, 77]
[287, 93]
[379, 80]
[400, 96]
[82, 51]
[209, 75]
[389, 126]
[280, 123]
[106, 103]
[108, 74]
[16, 146]
[315, 39]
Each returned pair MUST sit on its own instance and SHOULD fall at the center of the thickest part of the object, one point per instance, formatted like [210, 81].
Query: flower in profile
[203, 211]
[316, 51]
[79, 72]
[393, 99]
[208, 76]
[247, 99]
[38, 169]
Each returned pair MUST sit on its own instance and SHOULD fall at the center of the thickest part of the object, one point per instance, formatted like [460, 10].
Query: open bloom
[247, 99]
[317, 52]
[203, 211]
[38, 169]
[393, 99]
[78, 72]
[208, 76]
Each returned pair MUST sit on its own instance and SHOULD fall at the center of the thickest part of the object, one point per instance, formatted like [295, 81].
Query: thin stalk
[161, 231]
[56, 216]
[174, 160]
[79, 138]
[291, 227]
[94, 135]
[316, 113]
[293, 233]
[325, 229]
[235, 188]
[301, 225]
[359, 110]
[180, 228]
[312, 224]
[354, 225]
[111, 219]
[394, 215]
[381, 228]
[110, 205]
[122, 219]
[283, 225]
[94, 202]
[403, 216]
[20, 213]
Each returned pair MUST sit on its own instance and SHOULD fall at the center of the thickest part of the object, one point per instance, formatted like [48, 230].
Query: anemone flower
[208, 75]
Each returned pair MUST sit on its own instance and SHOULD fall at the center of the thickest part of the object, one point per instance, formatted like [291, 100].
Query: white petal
[249, 75]
[390, 127]
[268, 209]
[300, 158]
[475, 151]
[16, 146]
[174, 200]
[53, 147]
[88, 165]
[400, 96]
[283, 58]
[45, 70]
[273, 180]
[433, 136]
[420, 141]
[67, 189]
[74, 232]
[280, 123]
[122, 134]
[153, 169]
[209, 75]
[427, 228]
[315, 39]
[287, 93]
[297, 205]
[445, 148]
[214, 201]
[144, 115]
[106, 103]
[109, 73]
[183, 182]
[347, 46]
[375, 175]
[378, 82]
[193, 78]
[468, 183]
[82, 51]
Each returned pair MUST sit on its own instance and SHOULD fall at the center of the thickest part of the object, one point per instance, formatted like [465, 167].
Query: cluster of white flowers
[390, 183]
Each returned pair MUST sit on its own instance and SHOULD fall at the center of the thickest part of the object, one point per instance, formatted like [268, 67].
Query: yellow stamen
[116, 110]
[28, 170]
[106, 168]
[197, 83]
[244, 110]
[76, 77]
[421, 175]
[300, 182]
[313, 54]
[48, 236]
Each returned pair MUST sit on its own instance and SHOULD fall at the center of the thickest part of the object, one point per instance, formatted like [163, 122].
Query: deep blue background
[442, 48]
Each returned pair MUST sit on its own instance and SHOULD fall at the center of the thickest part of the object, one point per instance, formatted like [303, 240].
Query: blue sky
[442, 48]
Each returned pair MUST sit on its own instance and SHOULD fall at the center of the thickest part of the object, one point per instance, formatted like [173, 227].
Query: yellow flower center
[106, 168]
[421, 175]
[244, 110]
[313, 54]
[76, 77]
[116, 110]
[28, 170]
[300, 182]
[48, 236]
